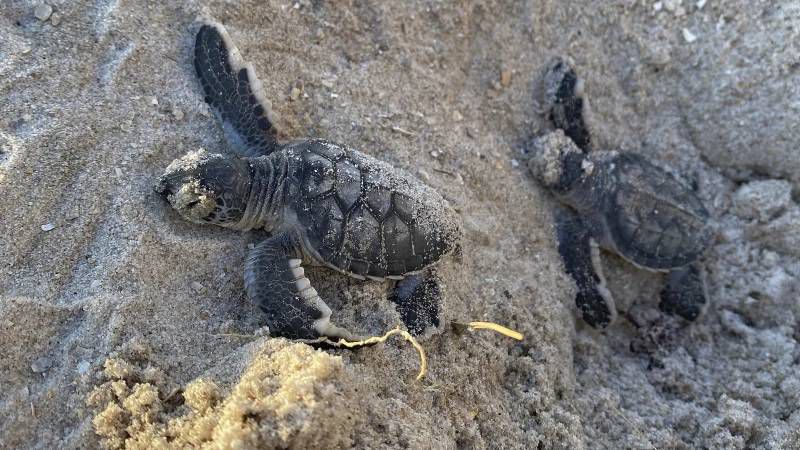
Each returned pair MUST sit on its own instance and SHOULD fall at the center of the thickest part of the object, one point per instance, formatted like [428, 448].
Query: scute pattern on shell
[655, 220]
[366, 218]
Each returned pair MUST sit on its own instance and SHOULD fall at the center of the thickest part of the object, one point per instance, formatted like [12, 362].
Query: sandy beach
[124, 326]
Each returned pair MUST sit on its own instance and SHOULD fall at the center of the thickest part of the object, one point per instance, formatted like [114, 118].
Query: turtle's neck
[267, 198]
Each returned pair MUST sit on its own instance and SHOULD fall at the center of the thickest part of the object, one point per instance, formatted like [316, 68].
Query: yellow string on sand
[494, 327]
[423, 360]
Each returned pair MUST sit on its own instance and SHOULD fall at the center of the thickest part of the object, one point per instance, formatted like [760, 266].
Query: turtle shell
[653, 219]
[366, 218]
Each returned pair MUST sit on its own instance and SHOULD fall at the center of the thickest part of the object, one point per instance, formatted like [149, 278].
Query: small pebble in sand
[505, 78]
[94, 284]
[436, 153]
[688, 36]
[700, 4]
[672, 5]
[48, 227]
[118, 172]
[177, 114]
[55, 19]
[734, 323]
[83, 367]
[658, 54]
[41, 364]
[720, 23]
[514, 163]
[196, 286]
[154, 101]
[294, 94]
[43, 11]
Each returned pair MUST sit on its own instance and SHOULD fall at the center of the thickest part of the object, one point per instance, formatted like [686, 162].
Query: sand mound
[289, 396]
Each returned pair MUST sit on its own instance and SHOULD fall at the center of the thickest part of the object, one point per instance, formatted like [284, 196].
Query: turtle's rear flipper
[685, 293]
[234, 93]
[565, 104]
[275, 281]
[581, 261]
[417, 299]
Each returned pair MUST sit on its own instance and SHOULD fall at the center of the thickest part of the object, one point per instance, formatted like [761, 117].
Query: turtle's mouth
[187, 198]
[191, 204]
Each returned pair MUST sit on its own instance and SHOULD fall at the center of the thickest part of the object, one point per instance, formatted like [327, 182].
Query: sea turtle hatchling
[322, 203]
[621, 202]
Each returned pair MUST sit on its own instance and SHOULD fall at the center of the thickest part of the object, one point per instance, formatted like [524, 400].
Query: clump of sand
[288, 396]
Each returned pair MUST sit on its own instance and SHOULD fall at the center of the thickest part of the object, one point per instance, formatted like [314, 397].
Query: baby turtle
[322, 203]
[618, 201]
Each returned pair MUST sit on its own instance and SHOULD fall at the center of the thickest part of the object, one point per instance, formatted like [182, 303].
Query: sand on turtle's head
[207, 187]
[549, 158]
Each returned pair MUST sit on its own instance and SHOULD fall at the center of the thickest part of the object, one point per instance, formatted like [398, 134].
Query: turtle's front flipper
[685, 293]
[565, 104]
[275, 281]
[234, 93]
[580, 256]
[417, 299]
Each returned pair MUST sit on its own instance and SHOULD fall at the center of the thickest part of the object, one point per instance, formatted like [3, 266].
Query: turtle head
[556, 161]
[207, 187]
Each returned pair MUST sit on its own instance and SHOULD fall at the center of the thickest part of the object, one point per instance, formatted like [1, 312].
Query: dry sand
[120, 322]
